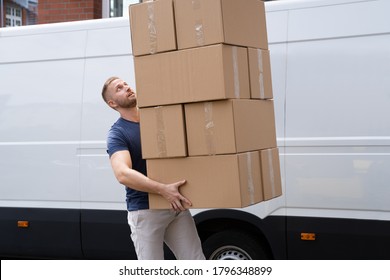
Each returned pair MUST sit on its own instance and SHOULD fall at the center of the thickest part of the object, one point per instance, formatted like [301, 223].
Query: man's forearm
[138, 181]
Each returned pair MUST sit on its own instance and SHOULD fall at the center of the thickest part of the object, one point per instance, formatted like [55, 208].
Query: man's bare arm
[126, 175]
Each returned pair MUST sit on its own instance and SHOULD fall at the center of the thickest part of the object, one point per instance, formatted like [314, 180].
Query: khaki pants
[151, 228]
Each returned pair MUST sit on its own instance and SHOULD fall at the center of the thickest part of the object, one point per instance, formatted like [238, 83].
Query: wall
[51, 11]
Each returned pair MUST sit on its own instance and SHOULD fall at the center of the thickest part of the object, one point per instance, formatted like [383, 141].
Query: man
[149, 228]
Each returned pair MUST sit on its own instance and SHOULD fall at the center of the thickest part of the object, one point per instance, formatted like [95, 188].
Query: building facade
[18, 12]
[28, 12]
[51, 11]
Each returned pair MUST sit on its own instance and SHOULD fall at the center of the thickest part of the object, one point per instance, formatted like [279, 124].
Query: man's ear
[111, 103]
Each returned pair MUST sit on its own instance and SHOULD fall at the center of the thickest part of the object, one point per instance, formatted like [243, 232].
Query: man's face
[121, 95]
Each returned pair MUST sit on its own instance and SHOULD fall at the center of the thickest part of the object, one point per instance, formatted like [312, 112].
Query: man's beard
[128, 103]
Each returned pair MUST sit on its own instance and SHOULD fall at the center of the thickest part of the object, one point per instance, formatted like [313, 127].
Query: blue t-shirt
[125, 135]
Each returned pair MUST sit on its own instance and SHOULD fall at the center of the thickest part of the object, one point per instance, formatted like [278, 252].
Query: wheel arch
[212, 221]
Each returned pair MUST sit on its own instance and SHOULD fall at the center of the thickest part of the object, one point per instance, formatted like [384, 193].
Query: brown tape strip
[271, 172]
[160, 133]
[236, 78]
[152, 28]
[251, 187]
[261, 73]
[209, 128]
[198, 24]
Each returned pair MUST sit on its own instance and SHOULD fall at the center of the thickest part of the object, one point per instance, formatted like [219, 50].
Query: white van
[331, 80]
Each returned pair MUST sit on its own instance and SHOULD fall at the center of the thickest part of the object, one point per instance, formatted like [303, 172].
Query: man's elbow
[121, 177]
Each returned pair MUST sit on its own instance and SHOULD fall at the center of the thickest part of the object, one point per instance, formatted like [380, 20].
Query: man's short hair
[105, 86]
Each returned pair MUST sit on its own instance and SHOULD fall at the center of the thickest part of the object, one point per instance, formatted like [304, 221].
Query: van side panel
[40, 111]
[337, 145]
[52, 139]
[40, 117]
[337, 129]
[108, 50]
[106, 235]
[338, 239]
[39, 132]
[52, 233]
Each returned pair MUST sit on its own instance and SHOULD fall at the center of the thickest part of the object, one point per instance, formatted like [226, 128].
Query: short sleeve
[116, 141]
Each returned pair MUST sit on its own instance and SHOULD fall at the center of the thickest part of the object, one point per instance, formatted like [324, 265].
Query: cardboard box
[163, 132]
[152, 27]
[199, 74]
[270, 173]
[260, 74]
[222, 181]
[230, 126]
[207, 22]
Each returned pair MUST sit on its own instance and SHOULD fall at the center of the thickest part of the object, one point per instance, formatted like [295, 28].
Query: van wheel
[233, 245]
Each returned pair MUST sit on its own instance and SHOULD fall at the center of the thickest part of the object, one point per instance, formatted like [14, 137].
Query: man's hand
[171, 193]
[122, 166]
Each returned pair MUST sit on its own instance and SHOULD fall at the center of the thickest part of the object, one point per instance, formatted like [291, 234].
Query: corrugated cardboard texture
[250, 179]
[270, 173]
[230, 126]
[163, 132]
[212, 181]
[152, 27]
[207, 22]
[199, 74]
[260, 74]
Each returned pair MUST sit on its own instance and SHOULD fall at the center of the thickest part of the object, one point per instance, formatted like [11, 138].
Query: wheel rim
[230, 253]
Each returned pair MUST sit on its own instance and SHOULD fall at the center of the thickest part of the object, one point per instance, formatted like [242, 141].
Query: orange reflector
[308, 236]
[23, 224]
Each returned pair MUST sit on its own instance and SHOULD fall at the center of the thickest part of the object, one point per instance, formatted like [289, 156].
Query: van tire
[233, 245]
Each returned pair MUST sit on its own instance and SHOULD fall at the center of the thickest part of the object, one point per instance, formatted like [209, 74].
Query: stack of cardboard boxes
[204, 90]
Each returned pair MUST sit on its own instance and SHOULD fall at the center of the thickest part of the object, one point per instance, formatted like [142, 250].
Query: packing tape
[236, 79]
[209, 128]
[251, 188]
[198, 27]
[152, 28]
[199, 34]
[160, 133]
[261, 73]
[271, 172]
